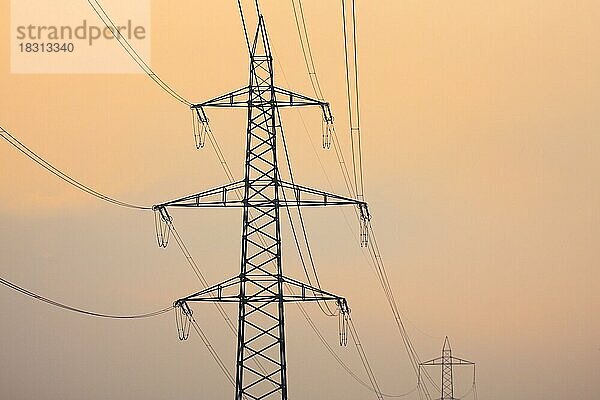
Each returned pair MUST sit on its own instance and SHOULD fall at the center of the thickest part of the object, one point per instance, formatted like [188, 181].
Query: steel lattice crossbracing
[447, 376]
[261, 288]
[261, 324]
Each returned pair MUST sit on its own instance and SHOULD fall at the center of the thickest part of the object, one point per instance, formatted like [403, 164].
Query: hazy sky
[481, 140]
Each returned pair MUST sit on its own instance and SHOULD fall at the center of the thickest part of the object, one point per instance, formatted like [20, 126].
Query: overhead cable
[328, 310]
[97, 7]
[17, 144]
[306, 49]
[354, 186]
[239, 2]
[363, 358]
[349, 94]
[80, 310]
[95, 4]
[212, 350]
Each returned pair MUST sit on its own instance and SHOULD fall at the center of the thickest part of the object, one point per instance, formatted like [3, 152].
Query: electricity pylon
[261, 289]
[447, 362]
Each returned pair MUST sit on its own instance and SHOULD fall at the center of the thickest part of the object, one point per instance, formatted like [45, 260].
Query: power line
[212, 350]
[199, 274]
[359, 347]
[309, 61]
[373, 386]
[40, 161]
[360, 188]
[17, 144]
[349, 95]
[134, 55]
[21, 147]
[80, 310]
[339, 360]
[164, 86]
[364, 359]
[327, 312]
[306, 49]
[357, 191]
[239, 2]
[367, 365]
[378, 264]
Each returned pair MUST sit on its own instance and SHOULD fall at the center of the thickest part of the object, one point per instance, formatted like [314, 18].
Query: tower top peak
[446, 345]
[260, 45]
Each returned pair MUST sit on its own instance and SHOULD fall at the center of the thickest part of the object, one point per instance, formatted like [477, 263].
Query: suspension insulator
[364, 233]
[162, 224]
[343, 328]
[200, 127]
[343, 320]
[365, 218]
[327, 125]
[327, 133]
[183, 319]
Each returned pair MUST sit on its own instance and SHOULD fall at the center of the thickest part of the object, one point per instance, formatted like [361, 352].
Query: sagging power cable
[364, 360]
[347, 180]
[339, 360]
[200, 275]
[353, 93]
[373, 386]
[29, 153]
[243, 20]
[306, 48]
[355, 186]
[17, 144]
[99, 10]
[108, 22]
[326, 310]
[211, 350]
[80, 310]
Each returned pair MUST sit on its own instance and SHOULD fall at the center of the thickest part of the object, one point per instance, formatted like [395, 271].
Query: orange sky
[480, 143]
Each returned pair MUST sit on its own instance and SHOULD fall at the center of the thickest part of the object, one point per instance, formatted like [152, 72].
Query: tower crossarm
[292, 195]
[447, 360]
[241, 98]
[295, 291]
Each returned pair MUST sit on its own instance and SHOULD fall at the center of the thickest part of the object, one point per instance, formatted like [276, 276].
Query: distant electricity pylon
[447, 362]
[261, 289]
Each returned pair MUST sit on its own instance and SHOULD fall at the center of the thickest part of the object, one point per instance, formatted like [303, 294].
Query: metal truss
[228, 196]
[227, 292]
[261, 289]
[281, 98]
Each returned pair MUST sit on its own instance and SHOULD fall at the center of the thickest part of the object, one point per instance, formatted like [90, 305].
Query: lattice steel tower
[447, 362]
[261, 288]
